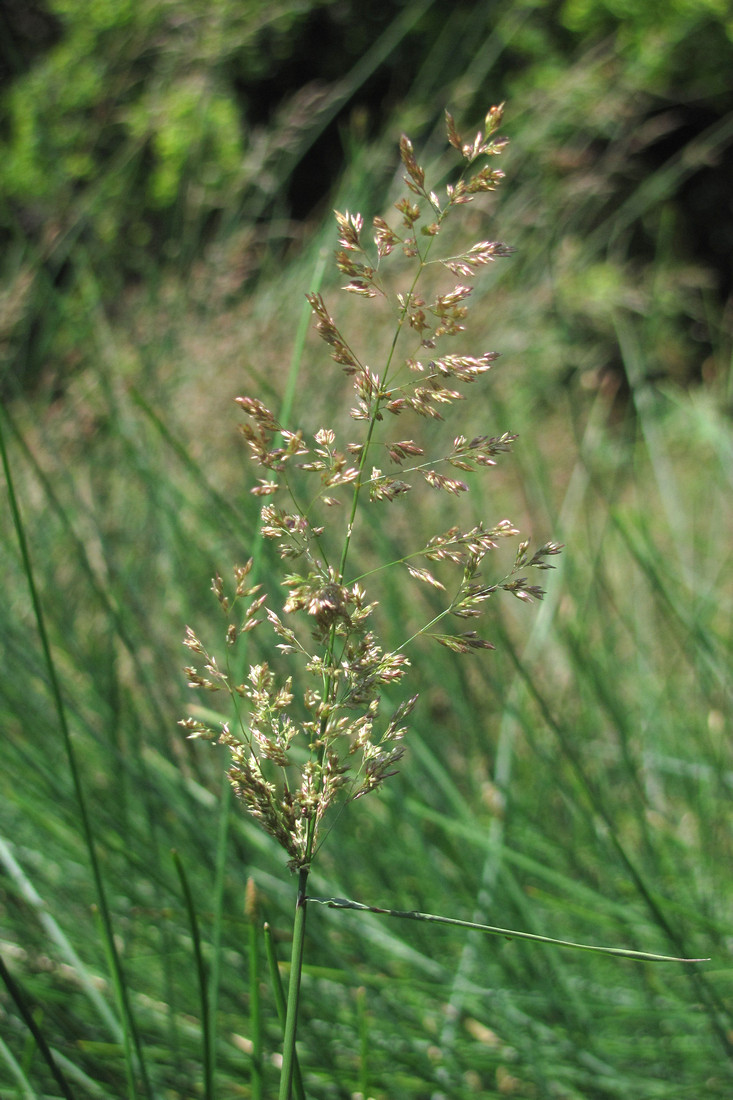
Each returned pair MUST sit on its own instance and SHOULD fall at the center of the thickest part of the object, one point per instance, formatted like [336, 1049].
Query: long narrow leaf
[201, 973]
[490, 929]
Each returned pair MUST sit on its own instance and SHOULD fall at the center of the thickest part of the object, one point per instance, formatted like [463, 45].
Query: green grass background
[574, 783]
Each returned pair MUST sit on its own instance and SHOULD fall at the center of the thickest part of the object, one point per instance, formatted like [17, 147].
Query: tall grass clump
[322, 722]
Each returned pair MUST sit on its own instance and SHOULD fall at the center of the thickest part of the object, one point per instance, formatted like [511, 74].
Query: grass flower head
[294, 757]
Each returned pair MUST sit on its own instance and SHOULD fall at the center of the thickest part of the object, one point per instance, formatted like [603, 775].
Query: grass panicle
[293, 758]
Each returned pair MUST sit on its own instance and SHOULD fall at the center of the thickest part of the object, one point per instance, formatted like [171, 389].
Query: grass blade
[206, 1037]
[492, 930]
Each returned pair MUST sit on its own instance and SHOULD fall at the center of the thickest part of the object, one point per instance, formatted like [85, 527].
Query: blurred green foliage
[682, 44]
[133, 133]
[130, 123]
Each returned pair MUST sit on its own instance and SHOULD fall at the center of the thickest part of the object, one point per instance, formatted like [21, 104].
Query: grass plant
[573, 783]
[292, 765]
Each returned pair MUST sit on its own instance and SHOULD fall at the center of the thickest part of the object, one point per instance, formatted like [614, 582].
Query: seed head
[297, 751]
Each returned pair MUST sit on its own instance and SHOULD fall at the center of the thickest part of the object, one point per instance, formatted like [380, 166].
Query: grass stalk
[362, 1024]
[222, 844]
[255, 1005]
[281, 1003]
[296, 969]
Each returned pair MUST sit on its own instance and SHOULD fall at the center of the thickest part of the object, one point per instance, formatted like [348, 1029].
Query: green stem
[296, 967]
[255, 1013]
[280, 1004]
